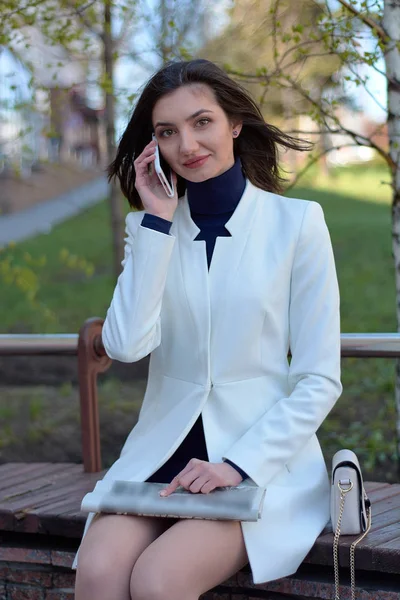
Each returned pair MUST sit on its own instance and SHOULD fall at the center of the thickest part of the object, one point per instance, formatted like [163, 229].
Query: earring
[235, 134]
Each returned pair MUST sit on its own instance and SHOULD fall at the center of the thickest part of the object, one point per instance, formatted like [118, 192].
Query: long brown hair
[257, 145]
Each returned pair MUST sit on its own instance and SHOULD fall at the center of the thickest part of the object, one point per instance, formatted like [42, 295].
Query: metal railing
[63, 344]
[92, 360]
[362, 345]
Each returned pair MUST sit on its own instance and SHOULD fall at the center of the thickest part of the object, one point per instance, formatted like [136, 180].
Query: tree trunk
[165, 51]
[391, 25]
[114, 197]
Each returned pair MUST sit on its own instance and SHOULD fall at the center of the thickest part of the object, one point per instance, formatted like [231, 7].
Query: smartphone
[168, 185]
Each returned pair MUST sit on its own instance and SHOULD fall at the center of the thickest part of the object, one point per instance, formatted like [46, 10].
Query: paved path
[42, 217]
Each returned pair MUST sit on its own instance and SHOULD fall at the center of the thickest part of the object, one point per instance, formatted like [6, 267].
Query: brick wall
[30, 574]
[37, 574]
[45, 574]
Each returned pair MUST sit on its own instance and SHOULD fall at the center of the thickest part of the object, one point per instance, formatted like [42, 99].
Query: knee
[150, 581]
[95, 573]
[145, 585]
[88, 575]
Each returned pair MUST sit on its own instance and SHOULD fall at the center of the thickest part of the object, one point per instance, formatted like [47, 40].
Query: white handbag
[350, 509]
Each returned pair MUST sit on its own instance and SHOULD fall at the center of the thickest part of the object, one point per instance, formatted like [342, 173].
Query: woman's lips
[197, 163]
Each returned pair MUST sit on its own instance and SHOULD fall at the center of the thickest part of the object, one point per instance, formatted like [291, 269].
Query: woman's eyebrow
[193, 116]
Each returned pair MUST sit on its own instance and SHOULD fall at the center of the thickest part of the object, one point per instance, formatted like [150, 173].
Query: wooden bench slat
[22, 477]
[41, 498]
[371, 486]
[6, 521]
[380, 525]
[384, 518]
[18, 474]
[65, 507]
[371, 552]
[394, 545]
[377, 537]
[69, 528]
[389, 504]
[384, 493]
[7, 468]
[35, 503]
[37, 483]
[36, 497]
[68, 508]
[21, 467]
[59, 520]
[62, 519]
[14, 467]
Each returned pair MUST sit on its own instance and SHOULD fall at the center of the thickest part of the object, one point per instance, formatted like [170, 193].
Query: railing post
[92, 360]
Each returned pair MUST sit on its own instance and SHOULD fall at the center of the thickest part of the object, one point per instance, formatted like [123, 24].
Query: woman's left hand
[200, 476]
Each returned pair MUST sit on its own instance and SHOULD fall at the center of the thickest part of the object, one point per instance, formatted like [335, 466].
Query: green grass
[360, 229]
[66, 291]
[366, 182]
[357, 210]
[44, 423]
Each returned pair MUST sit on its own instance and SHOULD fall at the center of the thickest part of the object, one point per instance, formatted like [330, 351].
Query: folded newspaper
[241, 503]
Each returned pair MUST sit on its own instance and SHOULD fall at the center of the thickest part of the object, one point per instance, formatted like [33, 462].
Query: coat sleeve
[132, 328]
[314, 371]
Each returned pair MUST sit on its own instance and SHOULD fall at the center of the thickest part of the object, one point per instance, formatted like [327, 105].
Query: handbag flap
[348, 458]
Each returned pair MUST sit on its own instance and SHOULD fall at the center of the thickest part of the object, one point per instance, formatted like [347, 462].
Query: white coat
[219, 342]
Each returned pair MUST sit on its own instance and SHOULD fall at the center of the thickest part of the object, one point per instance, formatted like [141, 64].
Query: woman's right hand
[149, 187]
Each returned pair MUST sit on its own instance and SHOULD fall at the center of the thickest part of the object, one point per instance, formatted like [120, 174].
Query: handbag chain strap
[343, 493]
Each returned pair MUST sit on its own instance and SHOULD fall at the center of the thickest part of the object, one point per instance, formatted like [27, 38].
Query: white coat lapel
[228, 253]
[193, 261]
[207, 290]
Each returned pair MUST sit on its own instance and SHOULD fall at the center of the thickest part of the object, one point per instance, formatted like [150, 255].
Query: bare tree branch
[274, 34]
[318, 132]
[306, 57]
[314, 160]
[85, 22]
[82, 9]
[380, 72]
[371, 23]
[183, 31]
[139, 59]
[370, 94]
[123, 34]
[297, 47]
[22, 9]
[360, 139]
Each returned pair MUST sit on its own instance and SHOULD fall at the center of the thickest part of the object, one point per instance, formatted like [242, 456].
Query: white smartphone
[167, 185]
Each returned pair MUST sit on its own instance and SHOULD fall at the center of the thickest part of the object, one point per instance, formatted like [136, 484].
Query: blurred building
[76, 130]
[346, 151]
[54, 122]
[21, 121]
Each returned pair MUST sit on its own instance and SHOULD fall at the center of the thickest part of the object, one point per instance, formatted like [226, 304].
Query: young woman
[218, 284]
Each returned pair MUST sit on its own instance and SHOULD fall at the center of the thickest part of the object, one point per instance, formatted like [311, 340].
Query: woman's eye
[166, 133]
[203, 121]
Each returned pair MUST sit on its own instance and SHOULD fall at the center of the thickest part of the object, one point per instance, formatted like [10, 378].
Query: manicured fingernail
[163, 493]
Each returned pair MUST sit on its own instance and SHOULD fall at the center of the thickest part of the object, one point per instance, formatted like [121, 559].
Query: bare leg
[108, 553]
[190, 558]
